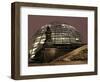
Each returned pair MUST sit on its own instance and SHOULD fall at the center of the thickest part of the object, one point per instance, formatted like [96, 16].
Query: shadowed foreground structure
[77, 56]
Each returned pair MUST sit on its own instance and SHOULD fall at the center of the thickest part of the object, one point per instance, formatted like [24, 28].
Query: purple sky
[36, 21]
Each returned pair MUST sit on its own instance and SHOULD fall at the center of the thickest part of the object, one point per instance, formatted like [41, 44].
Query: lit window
[34, 49]
[43, 36]
[77, 38]
[42, 41]
[32, 56]
[35, 45]
[38, 37]
[30, 51]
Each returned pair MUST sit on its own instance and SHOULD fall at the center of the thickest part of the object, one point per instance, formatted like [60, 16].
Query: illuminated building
[53, 40]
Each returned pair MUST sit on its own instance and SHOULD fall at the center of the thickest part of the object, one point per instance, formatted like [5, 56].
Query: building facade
[52, 38]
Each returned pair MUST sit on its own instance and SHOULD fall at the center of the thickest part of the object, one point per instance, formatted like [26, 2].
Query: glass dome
[54, 33]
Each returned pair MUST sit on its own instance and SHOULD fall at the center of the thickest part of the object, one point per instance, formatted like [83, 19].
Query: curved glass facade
[54, 33]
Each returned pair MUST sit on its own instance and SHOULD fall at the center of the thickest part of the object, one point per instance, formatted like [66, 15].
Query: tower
[48, 40]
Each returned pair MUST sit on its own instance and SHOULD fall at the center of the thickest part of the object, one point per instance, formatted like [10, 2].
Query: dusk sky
[36, 21]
